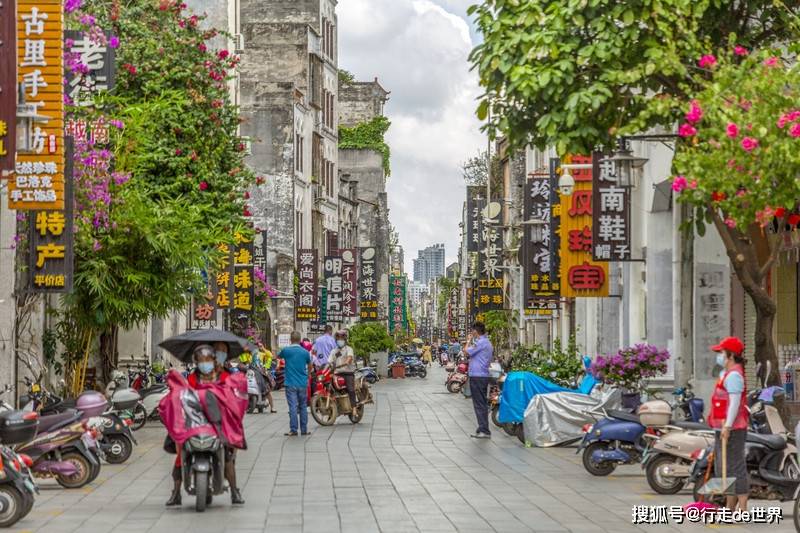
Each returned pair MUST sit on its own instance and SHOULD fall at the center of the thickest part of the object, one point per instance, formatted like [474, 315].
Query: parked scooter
[17, 488]
[369, 374]
[687, 405]
[256, 388]
[457, 379]
[668, 459]
[415, 367]
[616, 438]
[330, 399]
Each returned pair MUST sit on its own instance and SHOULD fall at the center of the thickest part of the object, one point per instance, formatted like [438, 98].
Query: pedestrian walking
[323, 347]
[729, 414]
[426, 355]
[480, 352]
[297, 367]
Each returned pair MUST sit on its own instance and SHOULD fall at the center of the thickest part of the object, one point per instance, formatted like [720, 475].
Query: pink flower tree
[743, 153]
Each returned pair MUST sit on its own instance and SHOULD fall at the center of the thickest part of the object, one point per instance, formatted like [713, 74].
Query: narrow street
[409, 466]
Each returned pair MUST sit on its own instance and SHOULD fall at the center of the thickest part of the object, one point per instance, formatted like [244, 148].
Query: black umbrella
[182, 346]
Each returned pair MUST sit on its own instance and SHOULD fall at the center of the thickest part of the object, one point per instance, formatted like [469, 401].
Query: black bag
[169, 445]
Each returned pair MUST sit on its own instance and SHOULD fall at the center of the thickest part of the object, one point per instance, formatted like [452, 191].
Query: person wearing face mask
[729, 414]
[208, 370]
[345, 364]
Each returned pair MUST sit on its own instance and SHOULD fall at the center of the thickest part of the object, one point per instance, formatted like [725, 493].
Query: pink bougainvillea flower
[793, 219]
[707, 61]
[780, 212]
[203, 185]
[730, 222]
[695, 113]
[749, 144]
[679, 184]
[687, 130]
[72, 5]
[740, 50]
[117, 124]
[693, 184]
[771, 62]
[794, 131]
[113, 41]
[732, 130]
[222, 54]
[741, 192]
[202, 47]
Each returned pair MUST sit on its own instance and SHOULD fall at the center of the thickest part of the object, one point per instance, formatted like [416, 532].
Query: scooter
[616, 438]
[147, 408]
[369, 374]
[415, 367]
[17, 488]
[256, 388]
[668, 458]
[690, 407]
[457, 379]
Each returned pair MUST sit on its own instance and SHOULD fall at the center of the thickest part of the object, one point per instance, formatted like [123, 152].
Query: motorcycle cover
[183, 410]
[558, 418]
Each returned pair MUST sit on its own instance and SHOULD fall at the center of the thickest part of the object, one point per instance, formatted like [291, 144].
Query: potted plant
[630, 368]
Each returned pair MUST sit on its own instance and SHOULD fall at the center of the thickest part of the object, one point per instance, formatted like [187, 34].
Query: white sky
[418, 50]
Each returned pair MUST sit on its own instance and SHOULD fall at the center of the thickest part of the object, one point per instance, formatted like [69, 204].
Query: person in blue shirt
[480, 352]
[298, 365]
[323, 347]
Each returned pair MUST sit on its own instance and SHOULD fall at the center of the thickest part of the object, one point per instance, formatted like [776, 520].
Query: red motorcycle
[330, 399]
[459, 375]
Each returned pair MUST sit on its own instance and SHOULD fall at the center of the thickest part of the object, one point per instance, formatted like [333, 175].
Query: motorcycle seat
[59, 420]
[687, 424]
[153, 389]
[774, 442]
[622, 415]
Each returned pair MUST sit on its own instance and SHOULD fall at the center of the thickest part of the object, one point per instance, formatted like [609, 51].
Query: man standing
[298, 365]
[480, 352]
[323, 347]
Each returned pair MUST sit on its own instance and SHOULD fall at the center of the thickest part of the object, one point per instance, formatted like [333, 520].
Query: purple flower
[87, 20]
[96, 246]
[117, 124]
[72, 5]
[113, 41]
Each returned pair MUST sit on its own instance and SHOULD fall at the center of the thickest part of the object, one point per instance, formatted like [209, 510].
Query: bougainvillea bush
[630, 367]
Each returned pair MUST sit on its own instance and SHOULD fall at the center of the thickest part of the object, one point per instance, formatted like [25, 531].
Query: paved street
[409, 466]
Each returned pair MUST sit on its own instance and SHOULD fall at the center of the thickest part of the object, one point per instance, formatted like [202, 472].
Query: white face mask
[340, 343]
[721, 359]
[221, 357]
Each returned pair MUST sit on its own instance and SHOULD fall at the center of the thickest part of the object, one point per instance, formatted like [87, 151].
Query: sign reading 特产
[307, 295]
[368, 284]
[39, 179]
[611, 213]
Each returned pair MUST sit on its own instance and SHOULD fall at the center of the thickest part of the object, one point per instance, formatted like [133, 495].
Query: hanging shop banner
[490, 261]
[475, 205]
[223, 277]
[39, 179]
[8, 84]
[307, 295]
[368, 285]
[540, 245]
[611, 213]
[334, 285]
[204, 312]
[260, 250]
[489, 297]
[581, 276]
[51, 246]
[98, 58]
[349, 282]
[243, 279]
[462, 325]
[397, 304]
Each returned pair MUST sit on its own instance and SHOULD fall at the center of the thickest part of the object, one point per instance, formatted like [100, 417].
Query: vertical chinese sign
[368, 285]
[542, 211]
[334, 288]
[307, 297]
[489, 297]
[611, 213]
[489, 294]
[39, 181]
[349, 282]
[581, 276]
[475, 205]
[223, 277]
[218, 276]
[8, 84]
[243, 289]
[397, 304]
[98, 59]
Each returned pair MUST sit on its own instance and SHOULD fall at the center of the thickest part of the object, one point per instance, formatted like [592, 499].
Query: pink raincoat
[183, 410]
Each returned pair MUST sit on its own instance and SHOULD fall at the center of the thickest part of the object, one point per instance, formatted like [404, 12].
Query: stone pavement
[410, 465]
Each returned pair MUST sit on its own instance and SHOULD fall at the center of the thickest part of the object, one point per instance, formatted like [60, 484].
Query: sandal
[291, 434]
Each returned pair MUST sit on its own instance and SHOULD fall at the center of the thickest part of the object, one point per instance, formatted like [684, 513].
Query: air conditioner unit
[238, 43]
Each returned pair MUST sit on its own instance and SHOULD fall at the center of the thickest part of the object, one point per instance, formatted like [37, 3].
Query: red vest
[720, 401]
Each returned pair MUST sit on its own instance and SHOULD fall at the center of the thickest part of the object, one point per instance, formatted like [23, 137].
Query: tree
[740, 169]
[569, 74]
[367, 338]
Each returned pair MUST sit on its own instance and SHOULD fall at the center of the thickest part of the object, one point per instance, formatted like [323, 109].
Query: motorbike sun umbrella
[182, 346]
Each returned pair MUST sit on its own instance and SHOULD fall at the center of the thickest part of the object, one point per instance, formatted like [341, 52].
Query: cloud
[418, 49]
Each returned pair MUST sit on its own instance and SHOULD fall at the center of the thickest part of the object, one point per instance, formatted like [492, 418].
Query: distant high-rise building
[429, 264]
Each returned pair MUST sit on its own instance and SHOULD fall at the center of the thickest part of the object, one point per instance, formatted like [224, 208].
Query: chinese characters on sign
[397, 304]
[223, 277]
[243, 280]
[99, 61]
[581, 276]
[39, 180]
[8, 89]
[711, 308]
[334, 285]
[368, 285]
[475, 205]
[610, 238]
[260, 250]
[542, 211]
[488, 297]
[307, 299]
[349, 281]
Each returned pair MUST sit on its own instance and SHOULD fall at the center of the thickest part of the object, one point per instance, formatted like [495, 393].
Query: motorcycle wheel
[79, 479]
[139, 417]
[201, 491]
[454, 387]
[357, 414]
[324, 415]
[13, 505]
[27, 504]
[119, 450]
[510, 428]
[422, 372]
[658, 483]
[371, 380]
[495, 412]
[597, 469]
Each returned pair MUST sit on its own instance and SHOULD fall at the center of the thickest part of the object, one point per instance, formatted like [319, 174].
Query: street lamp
[627, 165]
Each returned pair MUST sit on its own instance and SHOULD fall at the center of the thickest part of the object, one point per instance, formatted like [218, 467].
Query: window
[327, 115]
[316, 158]
[328, 39]
[315, 80]
[298, 152]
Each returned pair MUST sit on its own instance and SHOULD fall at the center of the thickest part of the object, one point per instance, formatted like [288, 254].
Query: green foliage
[560, 365]
[500, 327]
[346, 77]
[743, 101]
[63, 343]
[446, 286]
[570, 74]
[368, 136]
[367, 338]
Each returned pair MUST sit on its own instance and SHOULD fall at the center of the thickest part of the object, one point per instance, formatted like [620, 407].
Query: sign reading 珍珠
[368, 284]
[611, 213]
[39, 179]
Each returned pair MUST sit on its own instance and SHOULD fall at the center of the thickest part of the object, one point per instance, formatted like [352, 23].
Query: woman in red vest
[729, 414]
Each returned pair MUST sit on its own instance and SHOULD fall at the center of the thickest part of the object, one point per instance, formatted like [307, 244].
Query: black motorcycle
[415, 367]
[203, 458]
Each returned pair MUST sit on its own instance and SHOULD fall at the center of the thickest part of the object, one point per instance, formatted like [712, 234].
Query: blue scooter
[617, 439]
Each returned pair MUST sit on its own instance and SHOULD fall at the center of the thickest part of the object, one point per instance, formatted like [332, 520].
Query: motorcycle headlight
[203, 443]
